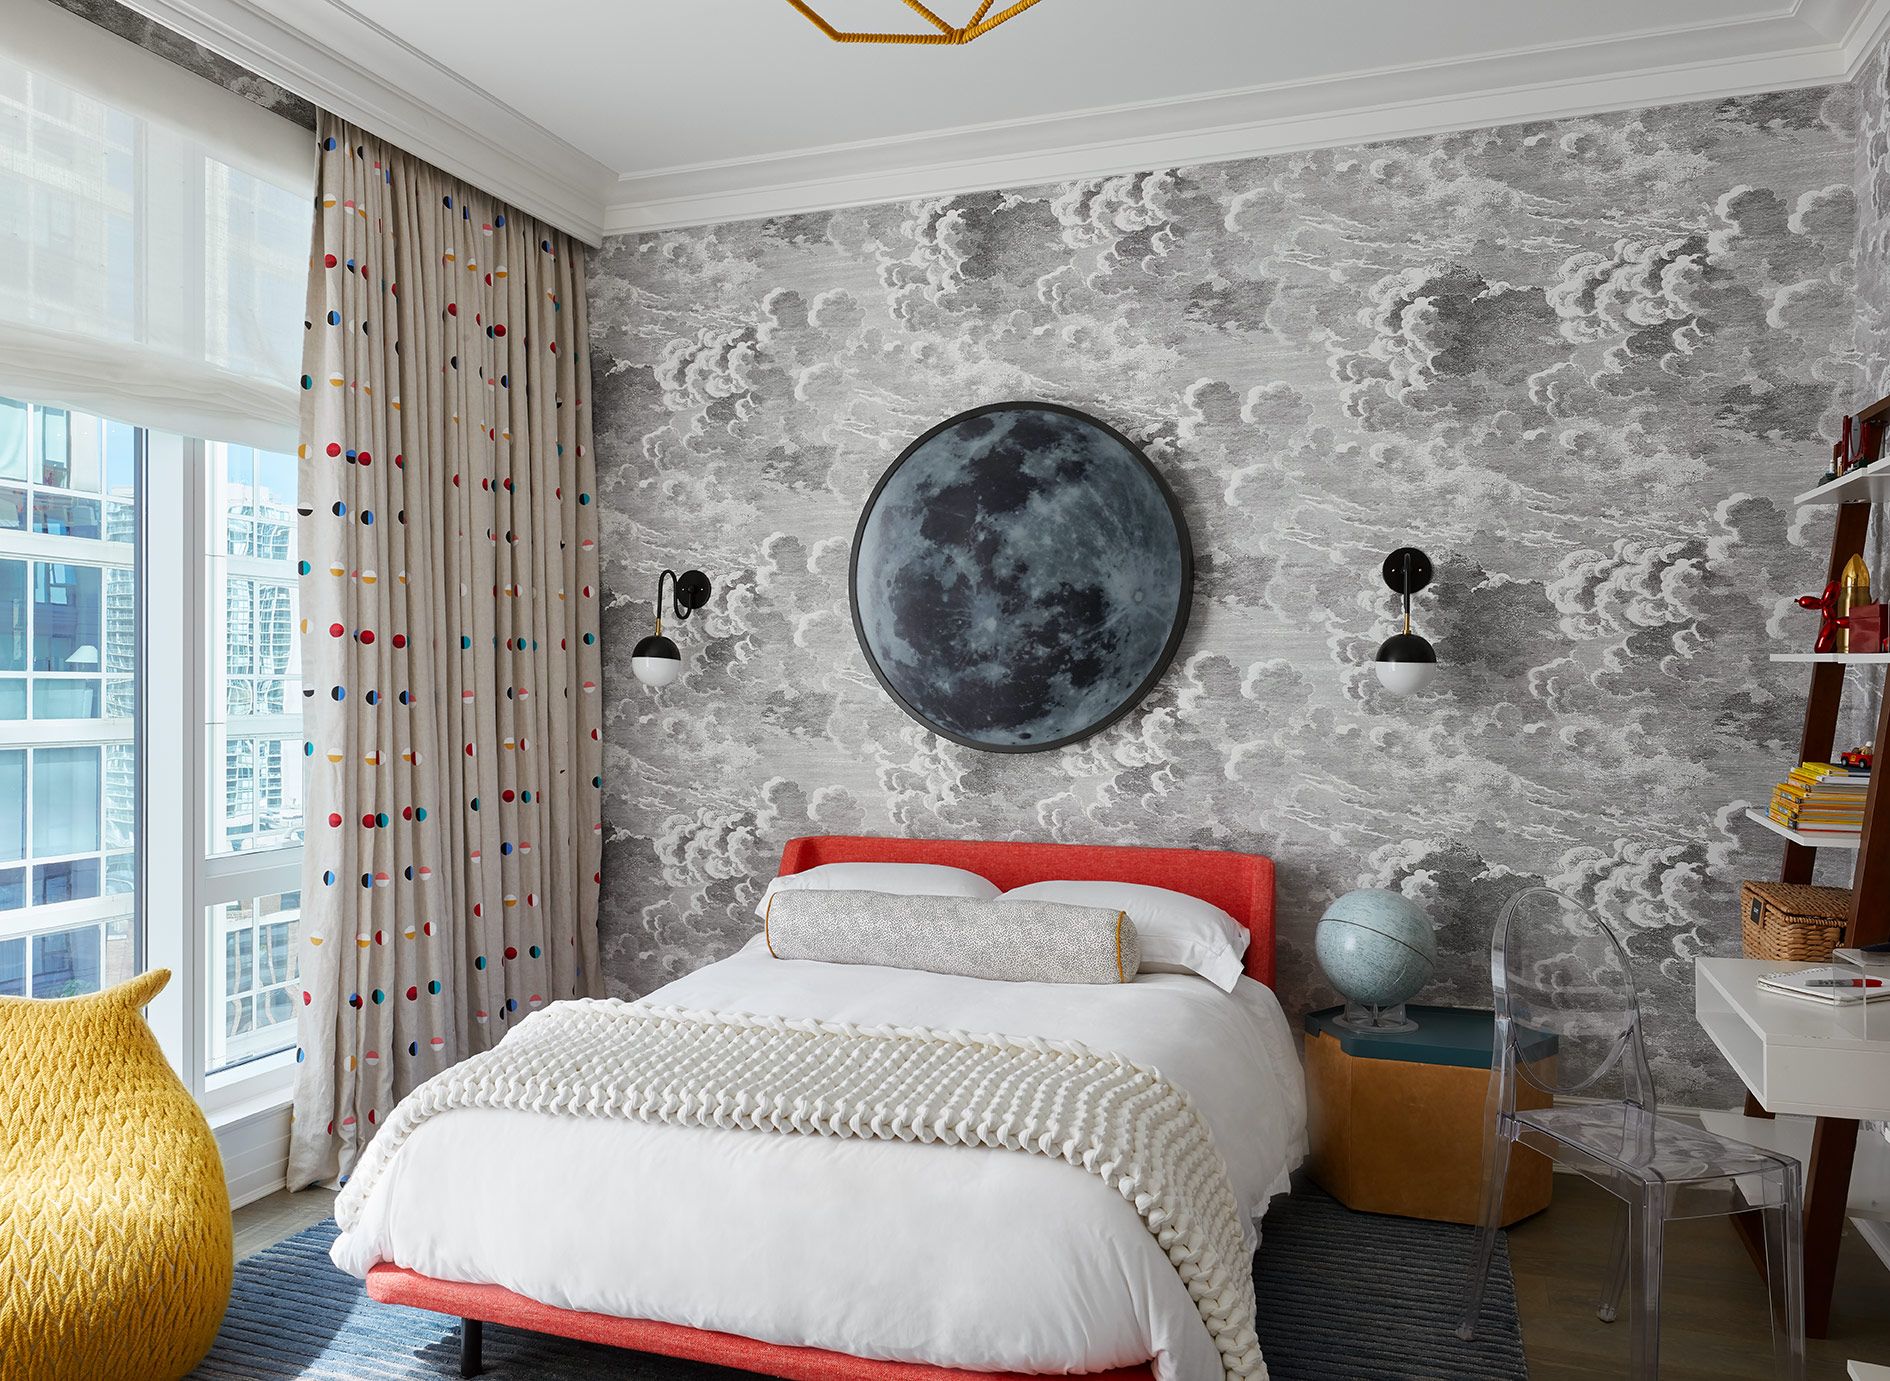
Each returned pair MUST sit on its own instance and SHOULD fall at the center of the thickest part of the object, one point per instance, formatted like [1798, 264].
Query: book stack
[1822, 798]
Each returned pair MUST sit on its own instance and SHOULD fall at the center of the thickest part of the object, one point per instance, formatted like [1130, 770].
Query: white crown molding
[1863, 32]
[1830, 18]
[346, 63]
[1818, 42]
[361, 72]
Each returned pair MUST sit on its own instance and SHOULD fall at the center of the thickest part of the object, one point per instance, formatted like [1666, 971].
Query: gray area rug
[1343, 1297]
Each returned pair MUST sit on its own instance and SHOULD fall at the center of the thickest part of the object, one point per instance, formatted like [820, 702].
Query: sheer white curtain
[153, 237]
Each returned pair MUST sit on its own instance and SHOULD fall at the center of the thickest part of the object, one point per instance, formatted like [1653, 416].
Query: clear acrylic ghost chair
[1555, 968]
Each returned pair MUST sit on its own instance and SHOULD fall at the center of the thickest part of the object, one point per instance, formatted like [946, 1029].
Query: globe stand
[1359, 1016]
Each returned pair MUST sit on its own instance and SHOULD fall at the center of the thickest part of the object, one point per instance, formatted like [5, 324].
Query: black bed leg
[472, 1337]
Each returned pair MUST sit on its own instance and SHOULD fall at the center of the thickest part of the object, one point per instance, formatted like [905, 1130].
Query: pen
[1843, 982]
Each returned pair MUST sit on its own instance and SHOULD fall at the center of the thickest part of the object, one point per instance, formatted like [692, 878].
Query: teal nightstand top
[1445, 1036]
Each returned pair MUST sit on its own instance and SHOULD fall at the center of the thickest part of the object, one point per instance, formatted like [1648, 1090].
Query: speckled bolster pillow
[1012, 941]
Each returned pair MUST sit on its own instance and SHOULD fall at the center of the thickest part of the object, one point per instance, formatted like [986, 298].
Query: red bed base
[1240, 884]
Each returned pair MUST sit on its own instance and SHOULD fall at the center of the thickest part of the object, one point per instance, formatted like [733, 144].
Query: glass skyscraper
[69, 628]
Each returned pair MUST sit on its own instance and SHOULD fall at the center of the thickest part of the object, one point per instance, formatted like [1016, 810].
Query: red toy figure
[1829, 622]
[1859, 757]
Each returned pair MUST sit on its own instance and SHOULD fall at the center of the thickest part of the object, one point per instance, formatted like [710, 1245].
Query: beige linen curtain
[449, 622]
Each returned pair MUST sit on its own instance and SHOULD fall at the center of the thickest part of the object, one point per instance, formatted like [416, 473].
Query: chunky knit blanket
[1100, 1113]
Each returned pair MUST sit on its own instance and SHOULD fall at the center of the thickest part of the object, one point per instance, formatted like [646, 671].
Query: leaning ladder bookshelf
[1855, 496]
[1834, 1140]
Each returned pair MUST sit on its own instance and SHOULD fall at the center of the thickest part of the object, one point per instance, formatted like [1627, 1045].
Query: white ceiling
[656, 85]
[626, 114]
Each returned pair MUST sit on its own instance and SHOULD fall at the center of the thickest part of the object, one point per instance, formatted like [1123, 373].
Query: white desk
[1797, 1056]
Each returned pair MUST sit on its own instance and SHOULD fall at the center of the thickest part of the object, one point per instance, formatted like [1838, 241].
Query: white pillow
[1007, 941]
[900, 879]
[1179, 933]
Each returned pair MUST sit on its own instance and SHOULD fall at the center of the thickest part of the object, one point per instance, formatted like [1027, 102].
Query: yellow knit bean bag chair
[114, 1220]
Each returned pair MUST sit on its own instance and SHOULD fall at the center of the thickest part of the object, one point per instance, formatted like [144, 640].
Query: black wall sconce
[656, 661]
[1406, 663]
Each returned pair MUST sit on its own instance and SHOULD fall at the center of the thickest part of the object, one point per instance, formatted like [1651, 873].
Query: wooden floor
[267, 1221]
[1713, 1303]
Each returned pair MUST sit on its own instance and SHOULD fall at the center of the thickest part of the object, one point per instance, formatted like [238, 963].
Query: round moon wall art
[1021, 577]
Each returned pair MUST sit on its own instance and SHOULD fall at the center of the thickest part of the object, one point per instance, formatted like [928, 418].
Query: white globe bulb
[656, 671]
[1405, 678]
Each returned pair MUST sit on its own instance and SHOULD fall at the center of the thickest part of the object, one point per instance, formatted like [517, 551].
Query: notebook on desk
[1836, 984]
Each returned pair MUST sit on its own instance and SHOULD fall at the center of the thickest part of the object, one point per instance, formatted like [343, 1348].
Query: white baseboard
[255, 1154]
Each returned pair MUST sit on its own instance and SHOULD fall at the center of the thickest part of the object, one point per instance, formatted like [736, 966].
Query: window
[256, 692]
[153, 242]
[68, 691]
[256, 958]
[154, 236]
[256, 268]
[254, 755]
[73, 673]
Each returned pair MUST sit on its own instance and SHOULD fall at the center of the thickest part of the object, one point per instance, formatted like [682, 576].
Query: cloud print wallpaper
[1584, 364]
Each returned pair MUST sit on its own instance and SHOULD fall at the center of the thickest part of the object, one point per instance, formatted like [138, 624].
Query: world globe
[1378, 949]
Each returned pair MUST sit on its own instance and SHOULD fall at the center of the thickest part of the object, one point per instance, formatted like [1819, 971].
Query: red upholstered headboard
[1240, 884]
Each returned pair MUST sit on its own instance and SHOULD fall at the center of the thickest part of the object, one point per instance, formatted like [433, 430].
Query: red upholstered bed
[1240, 884]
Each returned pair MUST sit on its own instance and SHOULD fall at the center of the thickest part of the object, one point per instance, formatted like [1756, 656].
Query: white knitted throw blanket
[1118, 1120]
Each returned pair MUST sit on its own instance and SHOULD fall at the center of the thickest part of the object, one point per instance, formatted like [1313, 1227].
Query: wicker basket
[1793, 923]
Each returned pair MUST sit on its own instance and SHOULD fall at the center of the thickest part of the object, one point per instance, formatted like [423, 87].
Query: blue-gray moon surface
[1018, 576]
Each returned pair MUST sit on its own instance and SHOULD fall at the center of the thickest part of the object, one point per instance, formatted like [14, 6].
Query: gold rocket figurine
[1853, 592]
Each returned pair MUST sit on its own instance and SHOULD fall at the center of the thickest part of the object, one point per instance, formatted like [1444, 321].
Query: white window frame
[175, 365]
[29, 734]
[177, 681]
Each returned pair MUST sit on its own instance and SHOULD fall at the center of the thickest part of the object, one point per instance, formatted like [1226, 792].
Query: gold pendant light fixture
[940, 33]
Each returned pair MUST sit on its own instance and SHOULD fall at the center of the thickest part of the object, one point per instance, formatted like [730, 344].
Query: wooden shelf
[1852, 659]
[1853, 501]
[1868, 485]
[1810, 841]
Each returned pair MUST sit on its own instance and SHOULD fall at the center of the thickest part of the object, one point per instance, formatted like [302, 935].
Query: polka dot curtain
[449, 596]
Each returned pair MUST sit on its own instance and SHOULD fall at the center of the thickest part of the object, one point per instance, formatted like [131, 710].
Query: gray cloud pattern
[1873, 317]
[193, 57]
[1584, 363]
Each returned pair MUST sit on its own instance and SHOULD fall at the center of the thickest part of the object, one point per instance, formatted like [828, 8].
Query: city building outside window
[73, 672]
[154, 233]
[255, 748]
[68, 669]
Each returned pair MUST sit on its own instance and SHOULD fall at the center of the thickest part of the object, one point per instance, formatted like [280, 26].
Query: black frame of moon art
[1034, 588]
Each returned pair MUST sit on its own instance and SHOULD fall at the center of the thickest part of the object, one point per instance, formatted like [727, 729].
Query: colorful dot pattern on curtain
[449, 598]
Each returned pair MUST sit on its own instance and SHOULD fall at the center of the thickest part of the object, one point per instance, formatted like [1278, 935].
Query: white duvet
[987, 1260]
